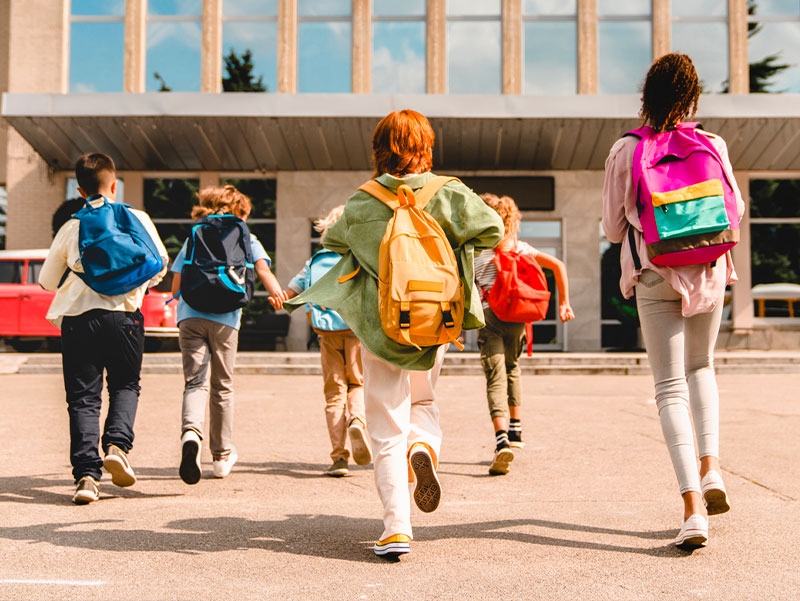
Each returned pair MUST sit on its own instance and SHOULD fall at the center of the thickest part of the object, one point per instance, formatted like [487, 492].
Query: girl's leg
[663, 331]
[195, 356]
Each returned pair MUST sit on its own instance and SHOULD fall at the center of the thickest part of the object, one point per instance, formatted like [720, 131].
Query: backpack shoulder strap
[640, 132]
[382, 193]
[430, 189]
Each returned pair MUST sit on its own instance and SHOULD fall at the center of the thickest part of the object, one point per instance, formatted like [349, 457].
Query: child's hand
[565, 312]
[276, 299]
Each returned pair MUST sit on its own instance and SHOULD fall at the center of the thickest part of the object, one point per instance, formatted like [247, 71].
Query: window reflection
[398, 58]
[777, 44]
[474, 57]
[324, 60]
[624, 55]
[174, 40]
[551, 58]
[96, 46]
[252, 25]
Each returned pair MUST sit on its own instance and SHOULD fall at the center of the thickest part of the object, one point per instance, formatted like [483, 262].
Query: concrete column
[4, 35]
[436, 48]
[742, 299]
[134, 188]
[287, 46]
[362, 47]
[37, 63]
[211, 50]
[737, 47]
[587, 46]
[512, 47]
[662, 28]
[135, 45]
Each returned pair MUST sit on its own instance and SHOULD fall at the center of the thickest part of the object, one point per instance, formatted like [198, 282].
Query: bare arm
[276, 294]
[565, 312]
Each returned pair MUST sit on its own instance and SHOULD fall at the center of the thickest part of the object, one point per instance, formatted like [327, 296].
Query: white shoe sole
[362, 454]
[121, 475]
[500, 465]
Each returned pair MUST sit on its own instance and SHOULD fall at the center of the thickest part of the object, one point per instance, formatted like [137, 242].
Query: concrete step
[307, 363]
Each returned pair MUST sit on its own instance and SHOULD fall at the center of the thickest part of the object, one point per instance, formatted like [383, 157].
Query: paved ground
[588, 511]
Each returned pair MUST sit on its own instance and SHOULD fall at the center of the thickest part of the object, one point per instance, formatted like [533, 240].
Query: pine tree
[240, 74]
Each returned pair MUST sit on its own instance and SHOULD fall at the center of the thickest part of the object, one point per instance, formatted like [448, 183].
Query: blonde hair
[220, 200]
[509, 213]
[321, 225]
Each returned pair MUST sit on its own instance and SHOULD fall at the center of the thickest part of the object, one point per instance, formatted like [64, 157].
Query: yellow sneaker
[393, 546]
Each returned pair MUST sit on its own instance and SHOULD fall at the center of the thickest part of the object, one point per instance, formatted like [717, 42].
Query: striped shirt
[486, 272]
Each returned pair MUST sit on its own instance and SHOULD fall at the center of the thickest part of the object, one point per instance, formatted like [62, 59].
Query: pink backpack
[686, 204]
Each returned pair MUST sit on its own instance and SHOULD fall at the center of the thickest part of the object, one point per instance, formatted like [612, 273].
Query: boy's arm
[55, 264]
[565, 312]
[276, 293]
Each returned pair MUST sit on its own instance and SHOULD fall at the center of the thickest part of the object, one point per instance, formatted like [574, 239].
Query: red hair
[403, 144]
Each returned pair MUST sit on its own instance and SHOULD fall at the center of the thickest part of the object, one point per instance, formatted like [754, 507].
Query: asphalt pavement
[588, 511]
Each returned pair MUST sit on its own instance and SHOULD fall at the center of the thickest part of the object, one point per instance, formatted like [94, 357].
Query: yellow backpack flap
[420, 295]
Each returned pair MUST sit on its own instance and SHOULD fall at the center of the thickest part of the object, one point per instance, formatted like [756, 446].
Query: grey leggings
[681, 354]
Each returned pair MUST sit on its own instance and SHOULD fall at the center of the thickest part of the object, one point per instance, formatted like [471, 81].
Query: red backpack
[519, 293]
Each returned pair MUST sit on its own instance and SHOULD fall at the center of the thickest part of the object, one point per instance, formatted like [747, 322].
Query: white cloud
[403, 74]
[187, 34]
[473, 56]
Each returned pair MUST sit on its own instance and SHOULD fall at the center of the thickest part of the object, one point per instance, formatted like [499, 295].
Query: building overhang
[241, 132]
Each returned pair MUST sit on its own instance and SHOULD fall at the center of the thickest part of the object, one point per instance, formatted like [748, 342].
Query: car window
[10, 272]
[34, 267]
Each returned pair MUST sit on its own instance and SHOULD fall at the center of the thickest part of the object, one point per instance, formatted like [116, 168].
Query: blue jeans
[93, 342]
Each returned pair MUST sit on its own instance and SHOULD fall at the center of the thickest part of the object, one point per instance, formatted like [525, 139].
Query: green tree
[163, 87]
[239, 76]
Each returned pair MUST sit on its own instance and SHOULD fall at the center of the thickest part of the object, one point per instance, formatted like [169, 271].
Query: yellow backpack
[421, 298]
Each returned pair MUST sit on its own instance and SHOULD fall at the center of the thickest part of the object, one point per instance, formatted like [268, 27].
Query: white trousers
[401, 410]
[681, 354]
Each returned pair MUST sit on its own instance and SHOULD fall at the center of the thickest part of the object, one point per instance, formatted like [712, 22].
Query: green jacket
[470, 226]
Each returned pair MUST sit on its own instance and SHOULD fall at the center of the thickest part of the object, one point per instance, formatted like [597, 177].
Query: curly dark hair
[671, 92]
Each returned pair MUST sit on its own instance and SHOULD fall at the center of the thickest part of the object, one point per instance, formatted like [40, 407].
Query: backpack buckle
[405, 320]
[447, 319]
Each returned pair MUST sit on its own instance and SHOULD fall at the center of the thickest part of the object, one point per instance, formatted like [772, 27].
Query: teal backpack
[322, 319]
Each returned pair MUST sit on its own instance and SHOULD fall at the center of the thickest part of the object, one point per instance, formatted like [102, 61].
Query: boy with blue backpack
[100, 265]
[213, 276]
[340, 356]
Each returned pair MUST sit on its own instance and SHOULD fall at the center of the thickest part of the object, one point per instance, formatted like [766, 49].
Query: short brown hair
[95, 170]
[506, 207]
[220, 200]
[671, 92]
[403, 143]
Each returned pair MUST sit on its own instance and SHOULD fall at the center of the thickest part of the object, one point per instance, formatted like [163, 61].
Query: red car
[24, 304]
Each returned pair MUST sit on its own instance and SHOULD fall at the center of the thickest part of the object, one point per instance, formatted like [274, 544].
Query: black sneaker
[190, 470]
[515, 439]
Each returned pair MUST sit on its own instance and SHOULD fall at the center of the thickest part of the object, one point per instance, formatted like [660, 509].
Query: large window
[169, 203]
[250, 34]
[624, 42]
[174, 39]
[474, 47]
[550, 54]
[775, 234]
[774, 45]
[700, 29]
[398, 47]
[324, 56]
[96, 46]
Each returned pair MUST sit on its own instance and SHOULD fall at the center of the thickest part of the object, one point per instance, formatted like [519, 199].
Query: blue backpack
[116, 251]
[322, 319]
[218, 275]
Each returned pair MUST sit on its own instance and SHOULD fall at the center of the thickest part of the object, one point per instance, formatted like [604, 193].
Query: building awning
[260, 132]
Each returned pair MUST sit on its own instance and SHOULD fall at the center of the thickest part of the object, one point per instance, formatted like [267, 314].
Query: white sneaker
[694, 532]
[362, 454]
[190, 470]
[222, 467]
[714, 494]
